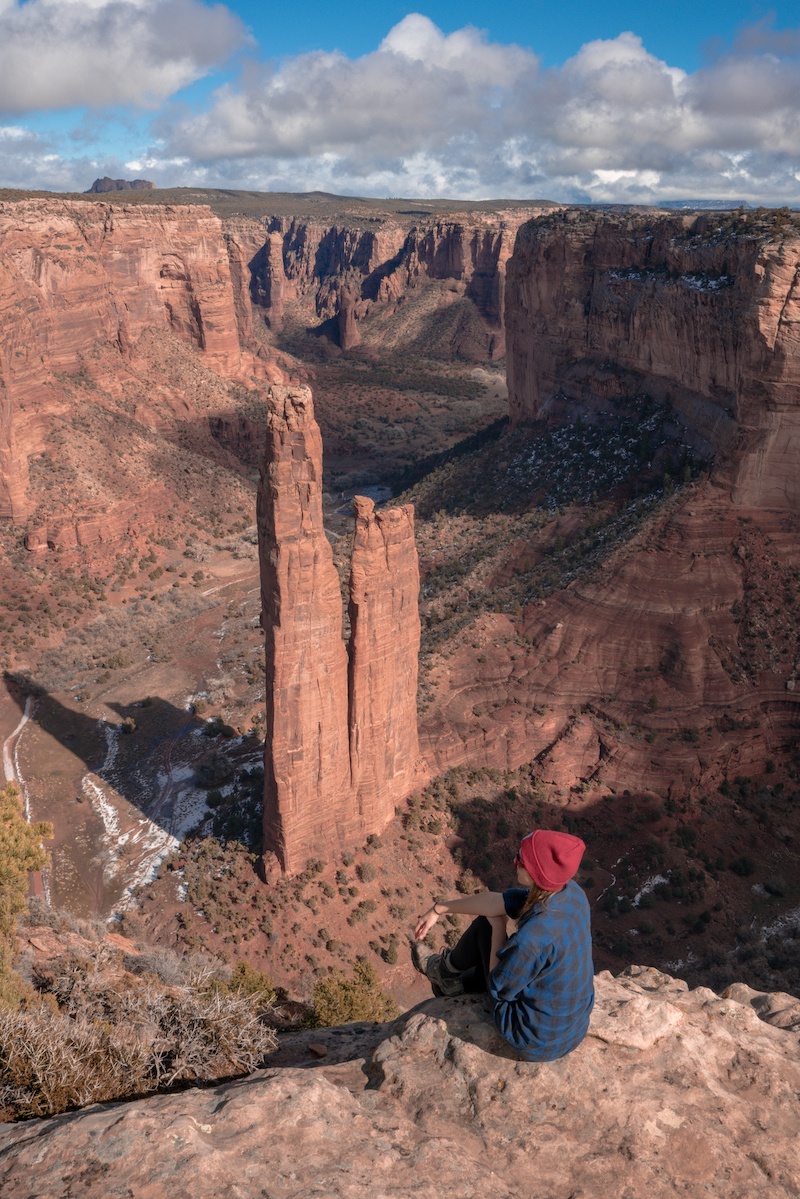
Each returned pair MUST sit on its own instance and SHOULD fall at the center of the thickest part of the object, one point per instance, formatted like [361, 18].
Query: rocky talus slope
[341, 739]
[673, 1092]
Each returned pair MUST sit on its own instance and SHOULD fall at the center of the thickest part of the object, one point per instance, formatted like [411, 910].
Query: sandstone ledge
[672, 1093]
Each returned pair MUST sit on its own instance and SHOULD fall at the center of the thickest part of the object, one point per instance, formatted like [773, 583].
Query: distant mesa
[119, 185]
[705, 205]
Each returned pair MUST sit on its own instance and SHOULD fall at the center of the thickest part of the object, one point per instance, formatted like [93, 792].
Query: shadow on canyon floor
[133, 756]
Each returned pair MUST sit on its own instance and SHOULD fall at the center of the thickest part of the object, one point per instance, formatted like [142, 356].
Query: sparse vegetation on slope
[21, 851]
[103, 1021]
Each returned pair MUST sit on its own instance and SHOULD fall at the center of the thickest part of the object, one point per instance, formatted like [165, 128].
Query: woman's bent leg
[471, 955]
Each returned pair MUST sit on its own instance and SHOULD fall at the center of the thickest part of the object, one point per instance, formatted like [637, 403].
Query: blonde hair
[535, 895]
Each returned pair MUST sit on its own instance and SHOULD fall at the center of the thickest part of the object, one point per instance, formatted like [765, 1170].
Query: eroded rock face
[341, 744]
[384, 653]
[353, 274]
[679, 307]
[107, 184]
[671, 1092]
[307, 764]
[83, 286]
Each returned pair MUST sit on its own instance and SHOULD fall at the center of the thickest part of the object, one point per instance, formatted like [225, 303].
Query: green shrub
[21, 852]
[339, 1000]
[246, 980]
[468, 884]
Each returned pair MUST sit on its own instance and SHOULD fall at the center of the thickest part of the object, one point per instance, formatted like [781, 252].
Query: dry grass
[51, 1062]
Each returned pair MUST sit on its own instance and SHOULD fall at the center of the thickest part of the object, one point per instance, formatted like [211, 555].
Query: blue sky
[677, 30]
[571, 101]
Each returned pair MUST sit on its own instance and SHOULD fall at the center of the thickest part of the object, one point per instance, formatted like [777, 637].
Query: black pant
[471, 956]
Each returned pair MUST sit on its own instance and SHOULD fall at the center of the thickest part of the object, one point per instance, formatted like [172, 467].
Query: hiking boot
[432, 965]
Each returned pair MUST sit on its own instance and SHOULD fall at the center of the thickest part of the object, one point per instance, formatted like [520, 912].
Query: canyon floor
[139, 734]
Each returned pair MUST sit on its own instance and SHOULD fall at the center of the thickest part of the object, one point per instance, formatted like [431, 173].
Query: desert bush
[50, 1062]
[468, 884]
[339, 1000]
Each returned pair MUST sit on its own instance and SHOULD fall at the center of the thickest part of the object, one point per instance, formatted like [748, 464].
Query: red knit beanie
[551, 858]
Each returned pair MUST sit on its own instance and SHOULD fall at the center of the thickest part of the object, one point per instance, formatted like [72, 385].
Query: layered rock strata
[341, 744]
[701, 311]
[307, 764]
[691, 624]
[672, 1092]
[352, 274]
[86, 292]
[384, 652]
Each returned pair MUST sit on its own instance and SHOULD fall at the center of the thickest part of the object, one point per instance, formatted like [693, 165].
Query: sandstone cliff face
[606, 683]
[672, 1092]
[82, 286]
[384, 652]
[685, 308]
[353, 273]
[340, 752]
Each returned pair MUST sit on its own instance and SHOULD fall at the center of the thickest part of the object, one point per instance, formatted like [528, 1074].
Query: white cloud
[432, 113]
[429, 113]
[65, 53]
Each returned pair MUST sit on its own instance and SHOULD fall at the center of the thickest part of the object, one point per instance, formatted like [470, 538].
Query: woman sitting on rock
[540, 979]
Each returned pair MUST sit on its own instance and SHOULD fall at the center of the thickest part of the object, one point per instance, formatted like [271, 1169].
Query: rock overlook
[673, 1092]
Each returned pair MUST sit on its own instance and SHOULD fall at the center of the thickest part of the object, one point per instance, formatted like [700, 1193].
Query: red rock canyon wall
[692, 309]
[691, 625]
[80, 284]
[352, 273]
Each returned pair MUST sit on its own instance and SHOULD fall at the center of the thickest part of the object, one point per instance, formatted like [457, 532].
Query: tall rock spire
[307, 764]
[341, 743]
[384, 655]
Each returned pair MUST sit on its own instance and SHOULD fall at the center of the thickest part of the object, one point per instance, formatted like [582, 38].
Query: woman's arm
[485, 903]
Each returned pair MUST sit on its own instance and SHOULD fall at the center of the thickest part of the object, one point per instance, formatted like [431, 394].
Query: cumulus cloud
[65, 53]
[417, 92]
[430, 113]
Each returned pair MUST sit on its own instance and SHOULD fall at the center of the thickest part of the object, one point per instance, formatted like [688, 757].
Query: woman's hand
[425, 924]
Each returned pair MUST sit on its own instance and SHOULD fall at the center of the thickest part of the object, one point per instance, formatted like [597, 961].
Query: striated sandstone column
[306, 761]
[384, 653]
[341, 746]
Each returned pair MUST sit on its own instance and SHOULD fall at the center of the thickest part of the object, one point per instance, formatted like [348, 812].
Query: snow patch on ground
[781, 923]
[680, 963]
[647, 887]
[135, 854]
[112, 736]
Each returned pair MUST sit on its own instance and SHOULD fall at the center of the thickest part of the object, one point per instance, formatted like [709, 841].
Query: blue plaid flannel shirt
[542, 988]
